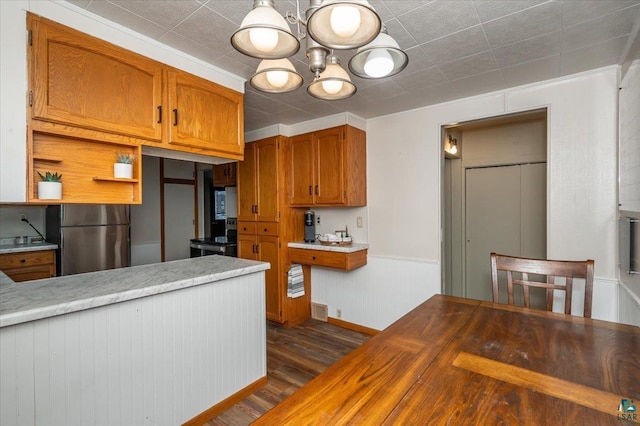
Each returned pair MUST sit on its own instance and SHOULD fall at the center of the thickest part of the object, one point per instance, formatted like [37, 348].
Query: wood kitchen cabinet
[266, 223]
[26, 266]
[328, 168]
[259, 181]
[224, 174]
[204, 115]
[82, 81]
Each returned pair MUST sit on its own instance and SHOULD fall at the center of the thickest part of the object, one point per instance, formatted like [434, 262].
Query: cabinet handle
[175, 117]
[159, 113]
[310, 189]
[314, 258]
[258, 248]
[256, 211]
[23, 260]
[316, 189]
[265, 229]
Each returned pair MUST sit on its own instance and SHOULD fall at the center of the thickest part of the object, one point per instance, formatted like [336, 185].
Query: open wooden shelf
[112, 179]
[86, 167]
[47, 159]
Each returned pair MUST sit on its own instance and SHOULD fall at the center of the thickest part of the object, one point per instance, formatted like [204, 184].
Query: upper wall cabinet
[204, 115]
[328, 168]
[81, 86]
[83, 81]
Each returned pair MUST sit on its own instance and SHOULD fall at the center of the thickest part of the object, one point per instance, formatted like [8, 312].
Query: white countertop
[19, 248]
[32, 300]
[317, 246]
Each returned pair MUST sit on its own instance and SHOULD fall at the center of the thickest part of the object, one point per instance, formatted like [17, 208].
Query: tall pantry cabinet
[266, 224]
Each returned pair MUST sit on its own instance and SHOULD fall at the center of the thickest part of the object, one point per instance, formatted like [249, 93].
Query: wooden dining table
[461, 361]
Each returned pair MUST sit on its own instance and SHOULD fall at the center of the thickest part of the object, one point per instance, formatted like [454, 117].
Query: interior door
[505, 213]
[179, 220]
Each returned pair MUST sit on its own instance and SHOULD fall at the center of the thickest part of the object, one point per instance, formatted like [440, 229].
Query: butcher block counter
[153, 344]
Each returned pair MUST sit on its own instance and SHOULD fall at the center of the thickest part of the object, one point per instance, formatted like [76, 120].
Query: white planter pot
[49, 190]
[122, 170]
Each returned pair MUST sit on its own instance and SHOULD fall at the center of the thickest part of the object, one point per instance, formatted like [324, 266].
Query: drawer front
[318, 258]
[29, 273]
[267, 228]
[30, 258]
[247, 228]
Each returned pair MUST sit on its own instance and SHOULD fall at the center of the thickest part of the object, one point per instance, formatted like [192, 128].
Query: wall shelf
[112, 179]
[47, 159]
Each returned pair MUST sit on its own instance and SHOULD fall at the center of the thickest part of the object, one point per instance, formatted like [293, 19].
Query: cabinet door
[224, 174]
[247, 184]
[301, 170]
[80, 80]
[247, 247]
[330, 167]
[268, 252]
[204, 115]
[267, 179]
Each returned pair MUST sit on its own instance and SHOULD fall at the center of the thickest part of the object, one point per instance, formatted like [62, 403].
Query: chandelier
[330, 24]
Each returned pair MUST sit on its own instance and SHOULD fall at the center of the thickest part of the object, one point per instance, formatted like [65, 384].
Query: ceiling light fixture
[330, 24]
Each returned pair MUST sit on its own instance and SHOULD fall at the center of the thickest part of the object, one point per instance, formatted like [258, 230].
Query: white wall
[13, 75]
[11, 226]
[404, 196]
[629, 297]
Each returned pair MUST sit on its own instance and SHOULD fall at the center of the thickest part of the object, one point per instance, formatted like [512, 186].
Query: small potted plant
[51, 186]
[123, 168]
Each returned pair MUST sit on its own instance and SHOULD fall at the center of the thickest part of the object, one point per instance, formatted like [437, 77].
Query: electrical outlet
[339, 313]
[22, 216]
[318, 220]
[359, 221]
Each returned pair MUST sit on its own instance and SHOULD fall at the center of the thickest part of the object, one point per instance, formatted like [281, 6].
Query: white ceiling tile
[208, 29]
[418, 60]
[600, 29]
[489, 10]
[401, 7]
[458, 45]
[164, 14]
[438, 19]
[530, 72]
[127, 19]
[421, 79]
[471, 65]
[529, 50]
[400, 34]
[189, 47]
[478, 84]
[529, 23]
[592, 56]
[591, 9]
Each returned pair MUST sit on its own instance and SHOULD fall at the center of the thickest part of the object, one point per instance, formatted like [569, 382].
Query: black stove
[221, 245]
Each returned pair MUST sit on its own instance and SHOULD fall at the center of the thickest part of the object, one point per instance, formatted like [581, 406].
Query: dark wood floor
[294, 356]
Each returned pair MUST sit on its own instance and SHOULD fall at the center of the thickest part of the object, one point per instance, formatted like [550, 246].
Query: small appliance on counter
[309, 226]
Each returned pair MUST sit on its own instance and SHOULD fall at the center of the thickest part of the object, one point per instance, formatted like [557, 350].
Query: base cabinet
[266, 249]
[29, 266]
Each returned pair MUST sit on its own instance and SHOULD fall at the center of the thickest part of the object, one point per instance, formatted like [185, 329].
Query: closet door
[506, 214]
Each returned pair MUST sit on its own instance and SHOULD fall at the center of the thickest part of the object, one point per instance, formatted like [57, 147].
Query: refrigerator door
[94, 214]
[93, 248]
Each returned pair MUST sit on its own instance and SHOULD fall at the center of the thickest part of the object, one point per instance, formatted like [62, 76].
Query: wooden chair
[550, 268]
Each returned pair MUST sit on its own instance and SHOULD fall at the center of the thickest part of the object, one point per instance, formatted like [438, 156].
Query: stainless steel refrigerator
[91, 237]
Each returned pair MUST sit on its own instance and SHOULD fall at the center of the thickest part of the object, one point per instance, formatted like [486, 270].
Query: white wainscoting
[158, 360]
[628, 306]
[378, 293]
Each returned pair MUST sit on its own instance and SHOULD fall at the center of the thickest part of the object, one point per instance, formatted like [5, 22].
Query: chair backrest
[550, 268]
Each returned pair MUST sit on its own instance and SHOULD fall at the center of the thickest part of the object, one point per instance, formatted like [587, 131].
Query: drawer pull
[314, 258]
[265, 229]
[23, 260]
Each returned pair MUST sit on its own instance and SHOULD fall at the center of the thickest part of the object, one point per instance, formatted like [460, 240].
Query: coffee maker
[309, 226]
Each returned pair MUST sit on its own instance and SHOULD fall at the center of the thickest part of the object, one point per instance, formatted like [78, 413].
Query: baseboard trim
[226, 403]
[352, 326]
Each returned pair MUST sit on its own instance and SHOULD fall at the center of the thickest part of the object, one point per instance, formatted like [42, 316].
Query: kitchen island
[152, 344]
